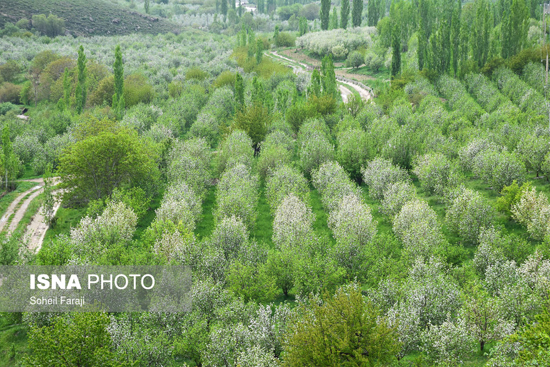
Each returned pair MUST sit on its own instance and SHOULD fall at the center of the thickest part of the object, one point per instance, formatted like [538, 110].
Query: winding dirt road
[13, 205]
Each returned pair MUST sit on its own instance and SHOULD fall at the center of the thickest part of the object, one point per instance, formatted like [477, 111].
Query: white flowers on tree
[235, 150]
[190, 163]
[436, 173]
[468, 213]
[352, 222]
[396, 196]
[293, 223]
[333, 184]
[417, 226]
[499, 168]
[283, 181]
[180, 205]
[237, 195]
[324, 42]
[379, 174]
[533, 211]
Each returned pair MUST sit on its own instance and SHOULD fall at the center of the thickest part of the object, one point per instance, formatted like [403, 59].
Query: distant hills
[87, 17]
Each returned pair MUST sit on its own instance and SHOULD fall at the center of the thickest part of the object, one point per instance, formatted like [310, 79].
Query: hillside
[87, 17]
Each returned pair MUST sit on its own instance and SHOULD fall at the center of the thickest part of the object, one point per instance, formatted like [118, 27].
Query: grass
[263, 229]
[149, 216]
[320, 226]
[13, 339]
[32, 210]
[206, 225]
[29, 173]
[87, 17]
[66, 218]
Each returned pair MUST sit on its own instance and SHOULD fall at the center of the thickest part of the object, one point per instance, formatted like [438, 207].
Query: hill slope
[87, 17]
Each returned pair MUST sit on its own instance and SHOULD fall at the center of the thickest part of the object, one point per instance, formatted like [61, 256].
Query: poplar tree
[514, 28]
[396, 51]
[259, 51]
[239, 91]
[328, 77]
[324, 14]
[357, 12]
[344, 14]
[118, 97]
[373, 12]
[455, 36]
[316, 83]
[146, 6]
[224, 10]
[9, 159]
[66, 89]
[81, 81]
[276, 35]
[481, 30]
[334, 19]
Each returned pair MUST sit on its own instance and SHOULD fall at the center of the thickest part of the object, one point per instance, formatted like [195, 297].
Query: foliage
[352, 222]
[322, 43]
[396, 196]
[436, 173]
[379, 174]
[333, 184]
[353, 151]
[283, 181]
[254, 120]
[339, 329]
[293, 222]
[468, 214]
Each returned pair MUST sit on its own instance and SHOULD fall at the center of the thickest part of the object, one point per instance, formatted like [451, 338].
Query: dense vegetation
[402, 219]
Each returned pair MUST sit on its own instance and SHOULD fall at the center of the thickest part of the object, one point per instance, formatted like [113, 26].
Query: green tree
[344, 14]
[535, 341]
[357, 13]
[324, 14]
[49, 198]
[106, 157]
[514, 28]
[276, 35]
[303, 25]
[10, 162]
[328, 77]
[259, 51]
[239, 91]
[373, 12]
[339, 330]
[224, 10]
[455, 37]
[81, 81]
[254, 120]
[481, 31]
[118, 97]
[80, 341]
[396, 51]
[146, 6]
[67, 89]
[333, 19]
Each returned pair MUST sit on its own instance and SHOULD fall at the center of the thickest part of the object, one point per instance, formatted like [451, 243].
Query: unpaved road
[299, 67]
[345, 92]
[13, 205]
[36, 231]
[22, 210]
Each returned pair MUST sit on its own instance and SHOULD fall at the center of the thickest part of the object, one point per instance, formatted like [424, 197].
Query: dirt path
[345, 93]
[36, 231]
[300, 67]
[22, 210]
[13, 205]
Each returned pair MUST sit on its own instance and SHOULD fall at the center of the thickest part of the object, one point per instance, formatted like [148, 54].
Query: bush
[322, 43]
[225, 79]
[333, 184]
[7, 107]
[285, 39]
[9, 71]
[237, 195]
[417, 226]
[180, 205]
[137, 90]
[499, 169]
[284, 181]
[353, 151]
[51, 26]
[293, 223]
[379, 174]
[314, 152]
[10, 92]
[468, 214]
[196, 73]
[533, 211]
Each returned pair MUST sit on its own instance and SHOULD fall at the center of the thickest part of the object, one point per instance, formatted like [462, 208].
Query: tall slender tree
[514, 28]
[80, 93]
[396, 51]
[67, 89]
[9, 159]
[344, 14]
[259, 50]
[224, 10]
[324, 14]
[333, 19]
[328, 76]
[373, 12]
[239, 91]
[146, 6]
[455, 37]
[118, 97]
[357, 13]
[481, 30]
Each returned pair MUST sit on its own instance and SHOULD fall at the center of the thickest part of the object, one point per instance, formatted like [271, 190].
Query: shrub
[532, 150]
[10, 92]
[235, 149]
[417, 226]
[499, 169]
[379, 174]
[322, 43]
[9, 71]
[396, 196]
[353, 151]
[230, 235]
[26, 147]
[293, 223]
[285, 39]
[137, 90]
[468, 214]
[333, 184]
[196, 73]
[272, 157]
[436, 173]
[225, 79]
[237, 195]
[284, 181]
